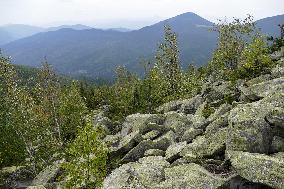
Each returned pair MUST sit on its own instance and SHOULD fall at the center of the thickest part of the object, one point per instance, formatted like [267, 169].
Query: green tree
[71, 112]
[233, 38]
[87, 158]
[167, 61]
[254, 59]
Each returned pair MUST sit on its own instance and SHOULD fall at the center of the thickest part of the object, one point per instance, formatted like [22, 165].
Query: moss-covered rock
[136, 121]
[178, 122]
[154, 152]
[174, 150]
[151, 135]
[190, 176]
[264, 89]
[206, 146]
[259, 168]
[144, 174]
[277, 144]
[248, 129]
[48, 175]
[191, 134]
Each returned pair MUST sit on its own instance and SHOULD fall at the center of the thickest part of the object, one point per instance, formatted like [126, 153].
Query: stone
[137, 121]
[170, 106]
[187, 106]
[191, 105]
[277, 144]
[190, 176]
[277, 71]
[16, 177]
[276, 117]
[209, 145]
[151, 135]
[217, 91]
[177, 122]
[138, 151]
[238, 182]
[264, 89]
[191, 134]
[144, 174]
[126, 143]
[48, 174]
[154, 152]
[257, 80]
[36, 187]
[161, 143]
[164, 141]
[173, 151]
[259, 168]
[248, 129]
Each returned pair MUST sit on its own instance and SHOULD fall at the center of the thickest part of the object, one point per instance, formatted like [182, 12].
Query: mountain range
[96, 52]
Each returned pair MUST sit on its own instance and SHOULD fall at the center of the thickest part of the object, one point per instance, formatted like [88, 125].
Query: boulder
[191, 134]
[144, 174]
[136, 121]
[187, 106]
[177, 122]
[151, 135]
[218, 91]
[164, 141]
[277, 144]
[15, 177]
[259, 168]
[126, 143]
[170, 106]
[190, 176]
[238, 182]
[48, 175]
[277, 71]
[36, 187]
[248, 129]
[276, 117]
[138, 151]
[210, 145]
[154, 152]
[161, 143]
[173, 151]
[264, 89]
[191, 105]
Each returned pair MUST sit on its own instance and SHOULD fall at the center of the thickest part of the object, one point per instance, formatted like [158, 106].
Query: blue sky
[128, 13]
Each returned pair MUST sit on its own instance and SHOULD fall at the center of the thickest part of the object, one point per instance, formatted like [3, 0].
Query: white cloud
[128, 13]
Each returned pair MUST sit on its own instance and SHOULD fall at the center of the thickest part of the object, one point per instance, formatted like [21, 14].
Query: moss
[207, 111]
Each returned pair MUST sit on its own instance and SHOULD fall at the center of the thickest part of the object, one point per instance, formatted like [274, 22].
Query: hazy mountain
[120, 29]
[96, 53]
[270, 26]
[74, 27]
[13, 32]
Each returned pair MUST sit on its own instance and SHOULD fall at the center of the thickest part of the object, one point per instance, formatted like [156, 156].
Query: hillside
[9, 33]
[96, 53]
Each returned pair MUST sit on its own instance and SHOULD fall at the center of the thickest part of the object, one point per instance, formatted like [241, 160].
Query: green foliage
[242, 52]
[87, 158]
[12, 150]
[254, 59]
[167, 62]
[71, 112]
[277, 42]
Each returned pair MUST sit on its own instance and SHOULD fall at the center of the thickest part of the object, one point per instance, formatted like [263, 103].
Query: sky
[131, 14]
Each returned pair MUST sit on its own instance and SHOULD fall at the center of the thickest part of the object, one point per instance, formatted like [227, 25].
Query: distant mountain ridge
[96, 53]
